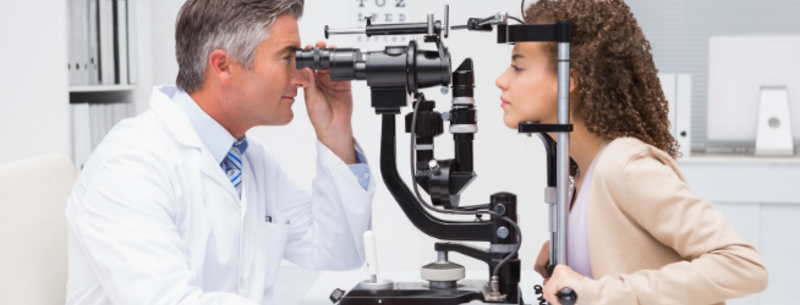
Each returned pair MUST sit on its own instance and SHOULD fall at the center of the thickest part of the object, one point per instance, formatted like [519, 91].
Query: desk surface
[743, 179]
[738, 159]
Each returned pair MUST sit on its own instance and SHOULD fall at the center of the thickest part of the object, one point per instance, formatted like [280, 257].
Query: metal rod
[430, 24]
[446, 27]
[562, 158]
[347, 31]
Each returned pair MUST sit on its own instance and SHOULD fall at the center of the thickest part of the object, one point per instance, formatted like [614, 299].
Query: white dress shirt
[219, 141]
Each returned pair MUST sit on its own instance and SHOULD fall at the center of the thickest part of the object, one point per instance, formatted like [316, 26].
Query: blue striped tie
[232, 164]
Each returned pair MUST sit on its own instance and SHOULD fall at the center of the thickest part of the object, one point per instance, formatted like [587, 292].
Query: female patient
[637, 234]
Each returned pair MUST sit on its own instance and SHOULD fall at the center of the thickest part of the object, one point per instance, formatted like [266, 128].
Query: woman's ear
[573, 80]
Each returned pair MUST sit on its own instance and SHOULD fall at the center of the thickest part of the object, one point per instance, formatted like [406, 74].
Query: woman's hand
[543, 261]
[563, 277]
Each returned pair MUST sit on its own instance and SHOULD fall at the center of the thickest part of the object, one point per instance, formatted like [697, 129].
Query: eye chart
[381, 11]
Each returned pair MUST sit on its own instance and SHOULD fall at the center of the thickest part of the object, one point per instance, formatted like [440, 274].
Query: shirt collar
[216, 138]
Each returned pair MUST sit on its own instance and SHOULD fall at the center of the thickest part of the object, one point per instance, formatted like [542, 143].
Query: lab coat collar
[215, 137]
[183, 131]
[172, 116]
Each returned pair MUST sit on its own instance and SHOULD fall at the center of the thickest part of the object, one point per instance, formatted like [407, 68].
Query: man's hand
[543, 261]
[563, 277]
[330, 108]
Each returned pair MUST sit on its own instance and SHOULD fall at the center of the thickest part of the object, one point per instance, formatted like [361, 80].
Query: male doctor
[178, 206]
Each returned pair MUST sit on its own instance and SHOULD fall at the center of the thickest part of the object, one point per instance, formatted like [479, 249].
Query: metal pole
[346, 31]
[562, 157]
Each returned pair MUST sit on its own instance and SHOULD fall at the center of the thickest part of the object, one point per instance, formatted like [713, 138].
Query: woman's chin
[510, 122]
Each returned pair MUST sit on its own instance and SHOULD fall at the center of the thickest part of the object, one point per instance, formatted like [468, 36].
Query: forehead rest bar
[559, 32]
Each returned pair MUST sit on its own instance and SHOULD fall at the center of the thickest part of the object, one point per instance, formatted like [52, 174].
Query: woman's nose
[501, 81]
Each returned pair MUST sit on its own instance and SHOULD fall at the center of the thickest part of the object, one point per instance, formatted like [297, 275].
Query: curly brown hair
[618, 92]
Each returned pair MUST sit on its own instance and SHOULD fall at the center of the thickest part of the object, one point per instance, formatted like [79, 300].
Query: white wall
[504, 160]
[34, 102]
[144, 23]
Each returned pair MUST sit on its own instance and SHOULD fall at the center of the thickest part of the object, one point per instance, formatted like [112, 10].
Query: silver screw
[502, 232]
[444, 90]
[434, 166]
[500, 209]
[446, 116]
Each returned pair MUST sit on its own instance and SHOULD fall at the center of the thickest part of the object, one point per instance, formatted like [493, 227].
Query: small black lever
[567, 297]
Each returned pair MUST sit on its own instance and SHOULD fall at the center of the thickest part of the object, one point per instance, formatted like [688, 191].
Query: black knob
[429, 122]
[567, 297]
[336, 295]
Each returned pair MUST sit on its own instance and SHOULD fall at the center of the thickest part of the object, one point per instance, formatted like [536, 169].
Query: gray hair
[236, 26]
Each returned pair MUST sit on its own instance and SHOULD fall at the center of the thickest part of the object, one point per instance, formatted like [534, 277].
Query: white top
[577, 240]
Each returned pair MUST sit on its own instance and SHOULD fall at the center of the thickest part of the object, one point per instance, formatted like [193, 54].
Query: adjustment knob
[567, 297]
[429, 122]
[336, 295]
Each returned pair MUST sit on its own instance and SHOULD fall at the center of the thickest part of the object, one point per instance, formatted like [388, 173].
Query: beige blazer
[652, 241]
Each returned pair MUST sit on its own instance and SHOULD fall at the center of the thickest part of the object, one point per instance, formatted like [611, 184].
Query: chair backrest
[33, 229]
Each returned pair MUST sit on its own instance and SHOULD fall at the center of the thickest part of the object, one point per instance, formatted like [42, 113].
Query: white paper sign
[381, 11]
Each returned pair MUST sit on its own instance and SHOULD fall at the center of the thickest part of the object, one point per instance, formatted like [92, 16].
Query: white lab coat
[154, 220]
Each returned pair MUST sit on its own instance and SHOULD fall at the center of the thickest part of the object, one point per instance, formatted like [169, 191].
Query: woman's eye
[516, 68]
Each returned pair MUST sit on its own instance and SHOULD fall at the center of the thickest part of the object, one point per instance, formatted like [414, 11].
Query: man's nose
[298, 77]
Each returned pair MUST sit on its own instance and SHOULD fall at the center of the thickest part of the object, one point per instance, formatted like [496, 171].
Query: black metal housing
[387, 72]
[558, 32]
[424, 221]
[398, 71]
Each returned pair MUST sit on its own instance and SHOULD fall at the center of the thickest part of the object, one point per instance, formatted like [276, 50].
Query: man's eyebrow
[289, 49]
[517, 56]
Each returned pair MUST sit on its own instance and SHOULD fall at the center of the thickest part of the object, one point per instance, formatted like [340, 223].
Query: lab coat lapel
[214, 172]
[181, 128]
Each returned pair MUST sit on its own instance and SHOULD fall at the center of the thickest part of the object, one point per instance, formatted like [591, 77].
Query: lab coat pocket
[271, 243]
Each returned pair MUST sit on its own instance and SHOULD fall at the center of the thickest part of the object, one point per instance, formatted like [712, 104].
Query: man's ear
[219, 65]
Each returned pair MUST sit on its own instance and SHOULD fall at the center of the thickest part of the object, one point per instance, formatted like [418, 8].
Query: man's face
[264, 94]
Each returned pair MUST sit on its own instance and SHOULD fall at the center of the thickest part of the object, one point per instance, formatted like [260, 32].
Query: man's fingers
[543, 272]
[308, 47]
[310, 79]
[320, 44]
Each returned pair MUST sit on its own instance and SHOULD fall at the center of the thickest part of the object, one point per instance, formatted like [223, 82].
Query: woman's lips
[504, 102]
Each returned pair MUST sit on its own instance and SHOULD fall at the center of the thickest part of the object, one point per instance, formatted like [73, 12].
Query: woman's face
[530, 87]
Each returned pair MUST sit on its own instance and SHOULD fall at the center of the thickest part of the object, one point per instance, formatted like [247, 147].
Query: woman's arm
[719, 264]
